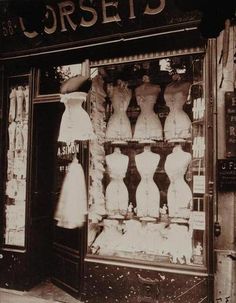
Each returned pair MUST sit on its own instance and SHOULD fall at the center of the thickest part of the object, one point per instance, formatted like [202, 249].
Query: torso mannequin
[117, 197]
[148, 125]
[177, 124]
[75, 122]
[179, 195]
[118, 127]
[147, 193]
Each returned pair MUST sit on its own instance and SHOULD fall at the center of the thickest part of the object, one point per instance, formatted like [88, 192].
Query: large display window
[147, 165]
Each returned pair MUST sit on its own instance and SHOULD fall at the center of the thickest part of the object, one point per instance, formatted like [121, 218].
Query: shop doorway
[56, 252]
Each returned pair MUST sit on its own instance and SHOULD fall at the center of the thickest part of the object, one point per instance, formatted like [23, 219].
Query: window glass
[147, 166]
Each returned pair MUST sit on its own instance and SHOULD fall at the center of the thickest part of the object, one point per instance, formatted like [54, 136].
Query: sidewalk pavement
[13, 296]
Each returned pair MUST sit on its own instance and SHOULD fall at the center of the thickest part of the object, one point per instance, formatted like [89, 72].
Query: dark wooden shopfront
[93, 35]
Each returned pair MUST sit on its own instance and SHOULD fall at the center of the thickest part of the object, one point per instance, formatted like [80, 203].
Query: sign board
[226, 175]
[89, 22]
[230, 123]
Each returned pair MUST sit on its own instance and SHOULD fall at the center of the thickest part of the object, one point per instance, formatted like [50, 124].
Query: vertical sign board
[230, 124]
[226, 175]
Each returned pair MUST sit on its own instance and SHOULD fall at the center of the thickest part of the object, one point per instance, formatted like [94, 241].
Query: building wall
[225, 244]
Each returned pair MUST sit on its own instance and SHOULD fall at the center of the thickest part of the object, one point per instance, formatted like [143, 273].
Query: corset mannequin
[148, 125]
[147, 193]
[177, 124]
[116, 194]
[109, 238]
[75, 122]
[179, 195]
[118, 127]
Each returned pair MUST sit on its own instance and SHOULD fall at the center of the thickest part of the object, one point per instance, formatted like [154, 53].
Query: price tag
[197, 220]
[199, 184]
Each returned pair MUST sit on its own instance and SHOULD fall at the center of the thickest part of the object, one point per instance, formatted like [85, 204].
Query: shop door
[58, 250]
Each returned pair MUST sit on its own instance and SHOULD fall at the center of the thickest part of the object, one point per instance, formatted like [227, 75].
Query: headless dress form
[148, 125]
[179, 195]
[147, 193]
[75, 122]
[116, 195]
[72, 205]
[118, 127]
[177, 124]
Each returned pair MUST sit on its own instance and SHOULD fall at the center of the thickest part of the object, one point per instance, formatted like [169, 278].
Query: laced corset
[118, 127]
[177, 124]
[148, 125]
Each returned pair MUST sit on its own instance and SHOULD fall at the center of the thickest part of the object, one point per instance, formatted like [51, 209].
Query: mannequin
[116, 195]
[148, 125]
[118, 127]
[75, 122]
[147, 193]
[72, 205]
[177, 124]
[179, 195]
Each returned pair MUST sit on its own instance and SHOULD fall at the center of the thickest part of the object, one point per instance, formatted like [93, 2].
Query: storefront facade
[150, 169]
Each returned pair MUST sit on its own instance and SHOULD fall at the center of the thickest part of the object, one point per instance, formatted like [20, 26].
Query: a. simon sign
[88, 20]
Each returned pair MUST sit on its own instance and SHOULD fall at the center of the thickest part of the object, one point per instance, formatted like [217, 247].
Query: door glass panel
[147, 168]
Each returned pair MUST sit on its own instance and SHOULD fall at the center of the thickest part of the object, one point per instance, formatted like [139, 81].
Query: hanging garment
[12, 109]
[75, 122]
[72, 205]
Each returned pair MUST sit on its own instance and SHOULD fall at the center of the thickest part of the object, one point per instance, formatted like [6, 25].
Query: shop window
[16, 179]
[147, 167]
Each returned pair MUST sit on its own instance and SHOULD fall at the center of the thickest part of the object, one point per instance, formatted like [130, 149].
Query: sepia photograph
[117, 151]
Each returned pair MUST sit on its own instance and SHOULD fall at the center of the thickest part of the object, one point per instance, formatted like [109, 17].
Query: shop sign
[226, 175]
[230, 123]
[71, 21]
